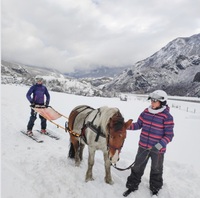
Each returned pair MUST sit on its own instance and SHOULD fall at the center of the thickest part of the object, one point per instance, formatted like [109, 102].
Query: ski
[49, 133]
[127, 192]
[32, 137]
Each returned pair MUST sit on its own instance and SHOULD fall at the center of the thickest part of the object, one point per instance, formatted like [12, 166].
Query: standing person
[36, 96]
[156, 124]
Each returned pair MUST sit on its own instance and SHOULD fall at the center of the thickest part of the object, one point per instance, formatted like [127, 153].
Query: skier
[38, 92]
[156, 124]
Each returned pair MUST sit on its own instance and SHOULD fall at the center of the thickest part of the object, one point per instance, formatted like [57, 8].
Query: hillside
[15, 73]
[175, 68]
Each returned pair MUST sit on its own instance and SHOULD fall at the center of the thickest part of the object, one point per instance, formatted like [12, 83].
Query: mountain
[20, 73]
[175, 68]
[15, 73]
[97, 72]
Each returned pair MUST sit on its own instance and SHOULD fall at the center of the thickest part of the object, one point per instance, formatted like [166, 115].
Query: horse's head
[116, 136]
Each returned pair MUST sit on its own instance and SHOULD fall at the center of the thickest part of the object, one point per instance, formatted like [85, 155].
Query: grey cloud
[68, 34]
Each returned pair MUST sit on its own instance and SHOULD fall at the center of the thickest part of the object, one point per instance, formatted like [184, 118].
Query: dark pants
[142, 157]
[33, 117]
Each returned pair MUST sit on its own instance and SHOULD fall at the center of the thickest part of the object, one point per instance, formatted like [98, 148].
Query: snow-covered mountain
[98, 72]
[14, 73]
[175, 68]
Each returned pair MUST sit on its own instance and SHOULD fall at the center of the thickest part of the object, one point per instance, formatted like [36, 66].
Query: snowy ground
[33, 170]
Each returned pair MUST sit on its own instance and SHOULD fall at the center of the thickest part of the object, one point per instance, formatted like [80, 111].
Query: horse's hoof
[109, 182]
[77, 164]
[89, 179]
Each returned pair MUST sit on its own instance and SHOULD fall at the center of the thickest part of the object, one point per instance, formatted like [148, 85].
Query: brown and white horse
[101, 129]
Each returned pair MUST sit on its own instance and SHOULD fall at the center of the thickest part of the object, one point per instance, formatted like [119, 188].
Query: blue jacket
[38, 91]
[156, 128]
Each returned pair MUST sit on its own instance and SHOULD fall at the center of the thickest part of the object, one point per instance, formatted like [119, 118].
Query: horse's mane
[114, 114]
[118, 121]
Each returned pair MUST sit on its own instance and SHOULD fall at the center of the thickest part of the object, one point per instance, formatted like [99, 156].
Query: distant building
[123, 97]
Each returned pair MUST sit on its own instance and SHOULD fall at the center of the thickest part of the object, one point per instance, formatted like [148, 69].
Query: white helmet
[158, 95]
[38, 78]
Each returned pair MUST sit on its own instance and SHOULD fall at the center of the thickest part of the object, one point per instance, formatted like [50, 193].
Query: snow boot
[154, 191]
[127, 192]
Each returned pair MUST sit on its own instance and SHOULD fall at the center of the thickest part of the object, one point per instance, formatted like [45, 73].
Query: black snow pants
[142, 157]
[32, 119]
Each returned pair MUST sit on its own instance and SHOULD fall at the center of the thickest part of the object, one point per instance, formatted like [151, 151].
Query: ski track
[43, 170]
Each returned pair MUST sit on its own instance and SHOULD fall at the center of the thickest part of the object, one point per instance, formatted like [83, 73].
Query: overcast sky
[68, 34]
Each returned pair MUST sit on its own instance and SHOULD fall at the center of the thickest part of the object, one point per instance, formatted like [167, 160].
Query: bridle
[108, 140]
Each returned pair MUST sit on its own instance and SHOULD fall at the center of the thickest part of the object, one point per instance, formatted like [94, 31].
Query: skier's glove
[156, 148]
[47, 104]
[32, 105]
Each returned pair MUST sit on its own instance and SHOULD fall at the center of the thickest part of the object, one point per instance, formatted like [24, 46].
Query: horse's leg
[81, 148]
[108, 178]
[75, 142]
[89, 176]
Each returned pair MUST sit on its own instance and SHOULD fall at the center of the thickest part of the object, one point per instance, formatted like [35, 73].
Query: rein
[130, 166]
[122, 169]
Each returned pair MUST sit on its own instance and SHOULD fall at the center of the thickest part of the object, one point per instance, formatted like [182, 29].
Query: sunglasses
[154, 100]
[39, 79]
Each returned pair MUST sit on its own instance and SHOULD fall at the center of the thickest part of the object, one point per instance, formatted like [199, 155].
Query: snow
[41, 170]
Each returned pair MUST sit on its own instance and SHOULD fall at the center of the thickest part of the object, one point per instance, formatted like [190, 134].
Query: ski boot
[29, 133]
[43, 131]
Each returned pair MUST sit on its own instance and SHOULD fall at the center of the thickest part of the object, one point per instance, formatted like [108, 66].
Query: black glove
[47, 104]
[32, 105]
[156, 148]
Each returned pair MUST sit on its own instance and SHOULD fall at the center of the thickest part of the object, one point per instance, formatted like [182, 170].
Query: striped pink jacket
[155, 128]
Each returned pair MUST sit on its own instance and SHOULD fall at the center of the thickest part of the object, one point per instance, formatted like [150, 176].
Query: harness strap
[98, 111]
[84, 127]
[93, 127]
[96, 130]
[89, 124]
[98, 133]
[72, 117]
[74, 134]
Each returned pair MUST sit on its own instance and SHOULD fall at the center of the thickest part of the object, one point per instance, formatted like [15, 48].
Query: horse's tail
[71, 151]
